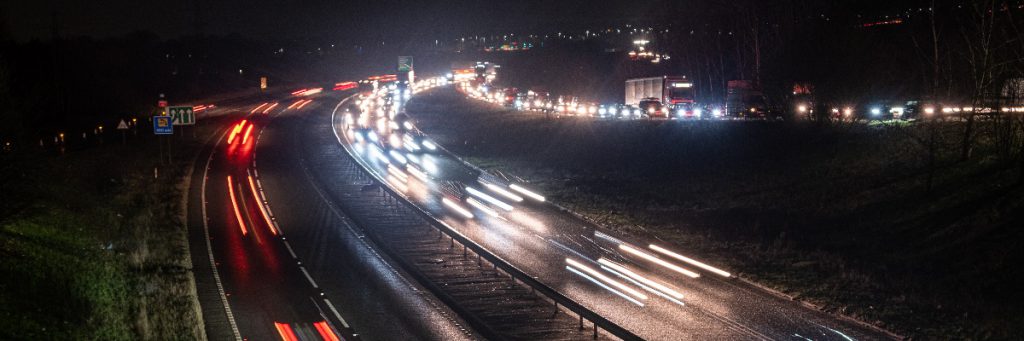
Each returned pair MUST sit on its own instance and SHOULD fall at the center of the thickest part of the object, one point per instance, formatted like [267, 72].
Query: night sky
[321, 19]
[277, 19]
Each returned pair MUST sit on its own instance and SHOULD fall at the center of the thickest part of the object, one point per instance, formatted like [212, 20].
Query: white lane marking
[304, 272]
[335, 311]
[209, 247]
[289, 247]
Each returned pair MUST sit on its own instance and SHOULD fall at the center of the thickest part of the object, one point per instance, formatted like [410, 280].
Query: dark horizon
[263, 20]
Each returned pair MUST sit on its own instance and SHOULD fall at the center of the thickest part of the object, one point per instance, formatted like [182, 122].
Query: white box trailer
[670, 90]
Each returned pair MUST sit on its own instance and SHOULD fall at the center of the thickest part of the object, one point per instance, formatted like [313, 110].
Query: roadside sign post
[404, 63]
[405, 69]
[182, 116]
[122, 126]
[163, 125]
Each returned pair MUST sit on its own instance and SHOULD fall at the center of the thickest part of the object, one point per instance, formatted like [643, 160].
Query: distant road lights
[896, 112]
[929, 111]
[876, 111]
[602, 111]
[801, 109]
[847, 112]
[680, 112]
[716, 112]
[637, 112]
[697, 112]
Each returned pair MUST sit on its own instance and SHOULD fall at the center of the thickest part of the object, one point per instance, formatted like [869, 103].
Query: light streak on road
[304, 104]
[430, 145]
[259, 107]
[693, 262]
[234, 131]
[401, 186]
[398, 173]
[413, 158]
[295, 104]
[248, 131]
[259, 203]
[286, 332]
[411, 146]
[497, 189]
[606, 279]
[417, 173]
[526, 192]
[606, 287]
[524, 219]
[398, 156]
[271, 107]
[325, 331]
[234, 205]
[407, 125]
[474, 192]
[429, 166]
[604, 236]
[394, 141]
[482, 207]
[645, 287]
[637, 277]
[658, 261]
[457, 208]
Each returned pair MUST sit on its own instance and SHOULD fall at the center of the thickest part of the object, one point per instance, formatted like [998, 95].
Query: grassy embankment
[92, 247]
[836, 216]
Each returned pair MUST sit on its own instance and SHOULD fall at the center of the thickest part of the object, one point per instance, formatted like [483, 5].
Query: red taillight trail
[234, 205]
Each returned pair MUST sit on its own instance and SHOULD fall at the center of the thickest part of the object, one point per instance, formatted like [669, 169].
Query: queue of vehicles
[671, 97]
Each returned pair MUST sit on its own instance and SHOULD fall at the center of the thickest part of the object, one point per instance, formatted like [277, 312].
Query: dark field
[838, 216]
[92, 247]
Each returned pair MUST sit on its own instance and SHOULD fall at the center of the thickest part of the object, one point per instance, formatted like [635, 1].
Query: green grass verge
[92, 247]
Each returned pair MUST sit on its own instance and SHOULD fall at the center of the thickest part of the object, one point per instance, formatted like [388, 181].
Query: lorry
[802, 103]
[744, 99]
[671, 91]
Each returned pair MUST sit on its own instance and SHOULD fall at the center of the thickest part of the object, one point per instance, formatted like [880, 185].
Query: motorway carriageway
[261, 289]
[650, 289]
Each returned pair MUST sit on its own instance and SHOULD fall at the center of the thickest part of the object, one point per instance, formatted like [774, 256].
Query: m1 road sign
[182, 116]
[162, 125]
[404, 63]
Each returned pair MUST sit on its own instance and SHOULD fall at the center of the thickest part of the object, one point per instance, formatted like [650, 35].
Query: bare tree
[978, 33]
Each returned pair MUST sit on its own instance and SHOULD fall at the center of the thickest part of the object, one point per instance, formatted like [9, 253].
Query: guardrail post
[463, 251]
[581, 322]
[595, 330]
